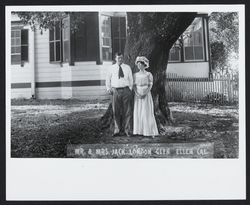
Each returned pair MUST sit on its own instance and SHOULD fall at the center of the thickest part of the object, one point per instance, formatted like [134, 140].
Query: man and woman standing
[119, 83]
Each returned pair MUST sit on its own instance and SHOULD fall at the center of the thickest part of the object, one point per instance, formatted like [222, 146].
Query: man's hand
[110, 91]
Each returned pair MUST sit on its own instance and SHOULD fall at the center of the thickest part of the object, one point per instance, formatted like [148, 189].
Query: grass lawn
[43, 128]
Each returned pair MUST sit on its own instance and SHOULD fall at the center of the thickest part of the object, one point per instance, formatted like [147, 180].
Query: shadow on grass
[49, 135]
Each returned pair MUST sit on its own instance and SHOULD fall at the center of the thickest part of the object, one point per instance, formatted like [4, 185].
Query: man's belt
[121, 88]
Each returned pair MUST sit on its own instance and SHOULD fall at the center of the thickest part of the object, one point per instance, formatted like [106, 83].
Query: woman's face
[140, 65]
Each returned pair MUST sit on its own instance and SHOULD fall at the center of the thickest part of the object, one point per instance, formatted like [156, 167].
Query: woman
[144, 120]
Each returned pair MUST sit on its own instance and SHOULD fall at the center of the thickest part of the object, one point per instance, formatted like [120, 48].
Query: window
[106, 37]
[19, 45]
[72, 45]
[55, 43]
[193, 41]
[118, 25]
[175, 54]
[190, 46]
[113, 35]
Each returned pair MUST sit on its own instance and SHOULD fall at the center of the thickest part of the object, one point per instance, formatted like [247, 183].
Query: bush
[215, 98]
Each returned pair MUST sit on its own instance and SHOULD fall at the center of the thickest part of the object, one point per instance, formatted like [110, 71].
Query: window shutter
[80, 43]
[24, 44]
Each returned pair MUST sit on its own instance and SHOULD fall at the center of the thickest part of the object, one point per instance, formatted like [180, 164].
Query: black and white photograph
[126, 84]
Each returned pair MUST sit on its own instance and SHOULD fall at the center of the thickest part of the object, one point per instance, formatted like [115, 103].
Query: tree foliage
[224, 41]
[46, 20]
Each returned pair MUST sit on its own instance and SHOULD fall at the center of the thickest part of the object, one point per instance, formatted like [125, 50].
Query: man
[119, 83]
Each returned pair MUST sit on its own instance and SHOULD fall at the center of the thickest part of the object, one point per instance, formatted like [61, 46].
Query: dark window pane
[116, 46]
[17, 33]
[66, 51]
[115, 27]
[12, 33]
[58, 31]
[80, 48]
[80, 43]
[58, 51]
[107, 53]
[174, 54]
[122, 27]
[51, 34]
[13, 49]
[24, 37]
[18, 49]
[15, 59]
[198, 50]
[91, 37]
[189, 53]
[198, 37]
[18, 41]
[24, 53]
[51, 51]
[118, 34]
[123, 43]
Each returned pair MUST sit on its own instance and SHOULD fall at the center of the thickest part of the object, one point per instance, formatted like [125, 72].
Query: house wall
[22, 77]
[195, 69]
[83, 80]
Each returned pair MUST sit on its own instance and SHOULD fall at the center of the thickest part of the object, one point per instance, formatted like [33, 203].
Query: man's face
[119, 59]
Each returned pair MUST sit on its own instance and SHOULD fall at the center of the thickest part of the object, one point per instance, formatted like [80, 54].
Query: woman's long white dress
[144, 121]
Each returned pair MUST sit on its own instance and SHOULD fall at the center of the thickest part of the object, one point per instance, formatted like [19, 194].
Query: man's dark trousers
[122, 109]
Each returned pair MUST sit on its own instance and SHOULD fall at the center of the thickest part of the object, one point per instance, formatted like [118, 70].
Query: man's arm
[108, 82]
[130, 78]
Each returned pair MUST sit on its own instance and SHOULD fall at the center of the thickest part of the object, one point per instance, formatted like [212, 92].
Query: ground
[43, 128]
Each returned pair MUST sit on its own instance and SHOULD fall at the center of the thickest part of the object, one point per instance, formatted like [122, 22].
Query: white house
[58, 64]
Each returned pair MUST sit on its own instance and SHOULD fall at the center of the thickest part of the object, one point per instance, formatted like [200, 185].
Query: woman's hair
[143, 60]
[142, 63]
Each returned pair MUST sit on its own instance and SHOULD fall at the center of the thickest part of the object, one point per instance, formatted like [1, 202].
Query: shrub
[215, 98]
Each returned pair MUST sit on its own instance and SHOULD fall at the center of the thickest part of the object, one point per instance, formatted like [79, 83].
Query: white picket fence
[215, 90]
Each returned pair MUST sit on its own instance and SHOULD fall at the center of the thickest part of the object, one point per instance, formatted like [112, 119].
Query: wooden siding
[54, 72]
[21, 93]
[21, 76]
[194, 69]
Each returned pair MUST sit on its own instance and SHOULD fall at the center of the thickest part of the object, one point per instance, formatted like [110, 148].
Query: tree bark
[152, 35]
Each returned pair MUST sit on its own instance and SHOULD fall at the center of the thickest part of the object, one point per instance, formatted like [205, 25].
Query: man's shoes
[128, 134]
[116, 134]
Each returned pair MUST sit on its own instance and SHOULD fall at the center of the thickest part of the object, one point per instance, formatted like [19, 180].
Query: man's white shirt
[113, 80]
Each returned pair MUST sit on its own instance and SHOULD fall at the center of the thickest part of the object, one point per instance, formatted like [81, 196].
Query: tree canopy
[224, 40]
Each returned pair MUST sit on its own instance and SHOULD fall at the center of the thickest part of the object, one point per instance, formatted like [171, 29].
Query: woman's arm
[150, 85]
[136, 93]
[134, 87]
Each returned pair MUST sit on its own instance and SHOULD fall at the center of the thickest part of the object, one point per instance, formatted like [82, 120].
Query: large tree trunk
[152, 35]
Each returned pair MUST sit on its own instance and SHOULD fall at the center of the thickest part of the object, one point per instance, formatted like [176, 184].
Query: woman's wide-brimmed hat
[142, 59]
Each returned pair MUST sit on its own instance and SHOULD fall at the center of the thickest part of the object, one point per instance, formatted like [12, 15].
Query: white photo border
[128, 179]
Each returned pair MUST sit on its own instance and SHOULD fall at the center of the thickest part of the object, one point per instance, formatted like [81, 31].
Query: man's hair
[118, 54]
